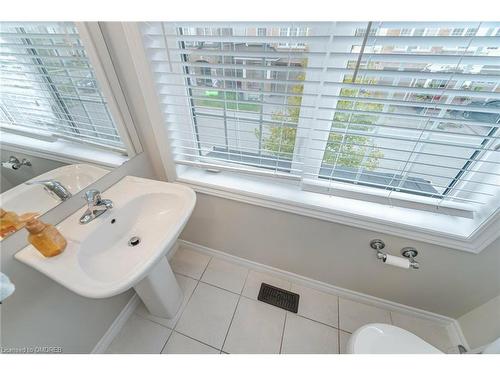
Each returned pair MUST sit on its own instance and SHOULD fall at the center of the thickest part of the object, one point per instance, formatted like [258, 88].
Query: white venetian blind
[409, 107]
[47, 83]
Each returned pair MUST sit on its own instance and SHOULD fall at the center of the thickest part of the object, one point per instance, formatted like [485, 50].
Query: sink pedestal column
[160, 291]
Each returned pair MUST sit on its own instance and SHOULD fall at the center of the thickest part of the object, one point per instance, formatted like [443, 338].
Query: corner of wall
[482, 324]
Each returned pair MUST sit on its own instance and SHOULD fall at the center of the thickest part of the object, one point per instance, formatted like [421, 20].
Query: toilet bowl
[387, 339]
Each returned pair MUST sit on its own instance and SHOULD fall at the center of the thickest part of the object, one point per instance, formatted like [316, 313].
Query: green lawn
[219, 103]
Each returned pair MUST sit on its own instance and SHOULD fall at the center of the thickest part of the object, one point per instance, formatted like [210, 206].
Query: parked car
[476, 115]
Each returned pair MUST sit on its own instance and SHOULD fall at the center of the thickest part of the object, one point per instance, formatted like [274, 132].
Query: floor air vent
[279, 297]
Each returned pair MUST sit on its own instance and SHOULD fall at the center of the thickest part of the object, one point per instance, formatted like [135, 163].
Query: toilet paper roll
[397, 261]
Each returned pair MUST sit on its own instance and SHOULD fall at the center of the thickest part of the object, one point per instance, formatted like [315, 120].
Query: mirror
[31, 185]
[60, 129]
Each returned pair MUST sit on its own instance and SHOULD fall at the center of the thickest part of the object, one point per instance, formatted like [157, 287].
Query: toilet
[387, 339]
[381, 338]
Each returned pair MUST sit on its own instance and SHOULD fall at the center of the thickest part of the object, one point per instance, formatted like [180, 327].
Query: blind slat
[48, 83]
[350, 142]
[425, 105]
[252, 117]
[364, 72]
[468, 41]
[350, 99]
[422, 57]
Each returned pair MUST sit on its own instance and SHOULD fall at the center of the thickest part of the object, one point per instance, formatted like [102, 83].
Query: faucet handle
[92, 197]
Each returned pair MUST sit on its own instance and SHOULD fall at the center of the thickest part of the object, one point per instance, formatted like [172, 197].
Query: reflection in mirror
[57, 134]
[31, 190]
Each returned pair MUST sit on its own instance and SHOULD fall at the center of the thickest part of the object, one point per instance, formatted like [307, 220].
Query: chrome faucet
[96, 206]
[54, 188]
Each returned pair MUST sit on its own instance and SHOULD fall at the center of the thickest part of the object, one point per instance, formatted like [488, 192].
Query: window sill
[61, 150]
[470, 235]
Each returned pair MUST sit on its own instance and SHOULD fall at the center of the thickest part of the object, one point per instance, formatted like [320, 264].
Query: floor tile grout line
[184, 275]
[246, 280]
[234, 313]
[219, 287]
[231, 323]
[168, 338]
[318, 321]
[197, 340]
[297, 314]
[163, 324]
[322, 323]
[150, 321]
[283, 332]
[191, 276]
[215, 286]
[180, 315]
[206, 266]
[325, 324]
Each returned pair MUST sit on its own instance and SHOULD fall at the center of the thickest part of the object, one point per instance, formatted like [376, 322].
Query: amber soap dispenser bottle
[45, 238]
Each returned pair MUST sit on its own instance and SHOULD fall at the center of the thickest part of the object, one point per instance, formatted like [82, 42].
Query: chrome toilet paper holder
[407, 252]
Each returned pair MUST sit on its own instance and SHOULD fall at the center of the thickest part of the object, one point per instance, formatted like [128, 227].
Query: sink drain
[134, 241]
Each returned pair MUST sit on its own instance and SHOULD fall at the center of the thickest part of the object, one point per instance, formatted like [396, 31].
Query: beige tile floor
[221, 314]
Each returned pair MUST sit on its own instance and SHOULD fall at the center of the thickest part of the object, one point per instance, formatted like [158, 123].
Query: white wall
[450, 282]
[41, 312]
[482, 325]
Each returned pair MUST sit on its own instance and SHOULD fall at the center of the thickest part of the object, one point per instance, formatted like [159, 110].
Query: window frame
[469, 235]
[98, 55]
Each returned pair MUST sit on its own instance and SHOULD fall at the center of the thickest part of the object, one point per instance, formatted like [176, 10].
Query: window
[457, 32]
[288, 34]
[48, 84]
[419, 32]
[406, 112]
[471, 32]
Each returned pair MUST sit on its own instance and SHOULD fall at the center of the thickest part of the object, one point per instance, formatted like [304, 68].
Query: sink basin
[33, 198]
[125, 247]
[143, 217]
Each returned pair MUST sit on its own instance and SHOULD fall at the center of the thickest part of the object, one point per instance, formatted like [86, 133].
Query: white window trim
[454, 232]
[62, 150]
[98, 54]
[439, 229]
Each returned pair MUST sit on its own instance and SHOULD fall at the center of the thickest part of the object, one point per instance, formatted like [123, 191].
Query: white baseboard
[117, 325]
[453, 326]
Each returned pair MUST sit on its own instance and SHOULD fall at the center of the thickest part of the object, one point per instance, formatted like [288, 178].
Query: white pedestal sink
[125, 247]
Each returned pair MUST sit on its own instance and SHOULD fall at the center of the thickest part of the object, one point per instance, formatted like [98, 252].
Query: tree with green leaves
[353, 151]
